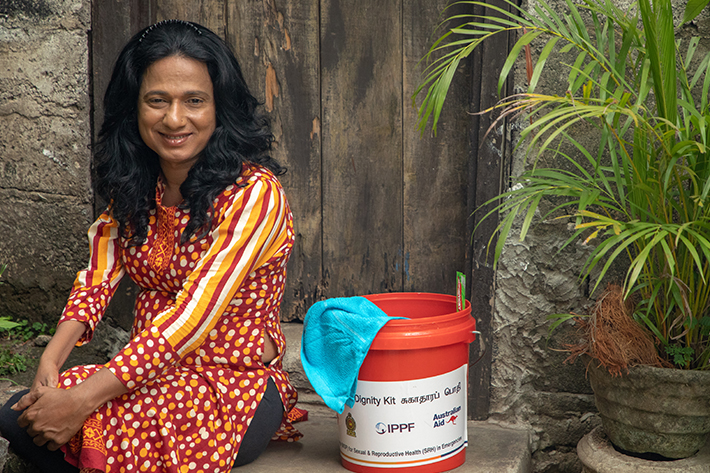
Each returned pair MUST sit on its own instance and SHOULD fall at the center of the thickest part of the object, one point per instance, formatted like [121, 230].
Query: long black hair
[126, 170]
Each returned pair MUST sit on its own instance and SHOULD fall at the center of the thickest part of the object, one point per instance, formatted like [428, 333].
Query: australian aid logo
[448, 417]
[410, 423]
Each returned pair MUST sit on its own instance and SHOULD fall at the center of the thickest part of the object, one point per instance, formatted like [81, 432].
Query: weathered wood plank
[488, 166]
[143, 13]
[113, 25]
[107, 39]
[435, 167]
[208, 13]
[361, 54]
[277, 45]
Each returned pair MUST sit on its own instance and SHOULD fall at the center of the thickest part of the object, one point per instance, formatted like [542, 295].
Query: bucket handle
[483, 348]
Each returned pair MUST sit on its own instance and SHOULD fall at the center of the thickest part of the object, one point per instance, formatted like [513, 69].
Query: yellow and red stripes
[255, 227]
[95, 286]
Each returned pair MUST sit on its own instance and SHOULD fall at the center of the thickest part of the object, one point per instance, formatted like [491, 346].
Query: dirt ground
[32, 350]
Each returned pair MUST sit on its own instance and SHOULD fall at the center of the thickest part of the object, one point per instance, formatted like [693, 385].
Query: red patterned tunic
[193, 366]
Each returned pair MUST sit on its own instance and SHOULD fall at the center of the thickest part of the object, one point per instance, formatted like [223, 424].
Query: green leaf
[6, 323]
[681, 355]
[704, 323]
[575, 70]
[544, 54]
[529, 216]
[660, 47]
[559, 319]
[640, 260]
[513, 55]
[650, 325]
[693, 9]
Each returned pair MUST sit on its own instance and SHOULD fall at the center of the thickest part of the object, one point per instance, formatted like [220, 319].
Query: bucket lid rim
[421, 296]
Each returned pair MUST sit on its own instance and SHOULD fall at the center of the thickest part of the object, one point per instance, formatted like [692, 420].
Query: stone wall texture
[531, 385]
[45, 135]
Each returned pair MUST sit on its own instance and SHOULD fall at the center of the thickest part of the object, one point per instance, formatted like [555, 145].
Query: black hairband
[168, 22]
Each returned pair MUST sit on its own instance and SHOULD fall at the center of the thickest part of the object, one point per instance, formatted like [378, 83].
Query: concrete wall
[45, 134]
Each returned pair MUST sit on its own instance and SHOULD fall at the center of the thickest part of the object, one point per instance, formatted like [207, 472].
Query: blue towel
[337, 333]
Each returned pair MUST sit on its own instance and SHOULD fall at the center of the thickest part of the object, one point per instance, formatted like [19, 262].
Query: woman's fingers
[25, 421]
[40, 439]
[26, 401]
[54, 417]
[53, 445]
[37, 437]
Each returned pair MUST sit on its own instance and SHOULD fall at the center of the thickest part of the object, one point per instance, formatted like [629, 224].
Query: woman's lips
[176, 139]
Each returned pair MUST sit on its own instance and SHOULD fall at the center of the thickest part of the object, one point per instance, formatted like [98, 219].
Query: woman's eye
[195, 101]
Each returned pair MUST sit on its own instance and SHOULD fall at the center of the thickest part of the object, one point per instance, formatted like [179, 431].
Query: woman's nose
[174, 116]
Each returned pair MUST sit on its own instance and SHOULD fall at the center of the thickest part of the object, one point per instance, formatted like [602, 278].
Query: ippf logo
[382, 428]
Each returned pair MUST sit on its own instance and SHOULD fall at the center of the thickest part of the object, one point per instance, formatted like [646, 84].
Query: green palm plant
[642, 196]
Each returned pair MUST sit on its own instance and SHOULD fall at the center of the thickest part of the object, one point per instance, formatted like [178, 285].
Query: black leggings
[266, 421]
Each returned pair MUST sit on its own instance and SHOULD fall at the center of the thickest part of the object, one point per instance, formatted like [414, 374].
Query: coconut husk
[613, 338]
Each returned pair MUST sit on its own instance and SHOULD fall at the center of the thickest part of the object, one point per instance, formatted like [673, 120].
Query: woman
[199, 221]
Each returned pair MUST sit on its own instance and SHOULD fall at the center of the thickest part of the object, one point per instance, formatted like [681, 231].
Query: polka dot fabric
[193, 366]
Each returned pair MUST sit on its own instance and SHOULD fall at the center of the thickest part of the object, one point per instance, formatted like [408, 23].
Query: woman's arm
[95, 286]
[48, 410]
[54, 415]
[56, 353]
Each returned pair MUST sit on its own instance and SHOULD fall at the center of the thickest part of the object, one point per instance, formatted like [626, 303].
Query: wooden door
[377, 208]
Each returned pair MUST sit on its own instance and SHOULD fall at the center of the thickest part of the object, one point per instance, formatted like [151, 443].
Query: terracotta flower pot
[654, 410]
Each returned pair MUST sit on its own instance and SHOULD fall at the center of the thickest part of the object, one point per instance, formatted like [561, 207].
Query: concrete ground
[491, 449]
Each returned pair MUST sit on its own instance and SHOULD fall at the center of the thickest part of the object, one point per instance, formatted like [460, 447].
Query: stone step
[491, 449]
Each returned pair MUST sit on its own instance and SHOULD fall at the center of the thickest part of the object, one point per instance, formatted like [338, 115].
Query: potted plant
[640, 199]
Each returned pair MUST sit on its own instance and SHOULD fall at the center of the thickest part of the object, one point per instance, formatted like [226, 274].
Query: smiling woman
[176, 116]
[198, 219]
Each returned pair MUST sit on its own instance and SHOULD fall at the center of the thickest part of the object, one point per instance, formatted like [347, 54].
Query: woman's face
[176, 110]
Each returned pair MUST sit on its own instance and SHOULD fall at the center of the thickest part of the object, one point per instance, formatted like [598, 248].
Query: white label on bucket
[403, 424]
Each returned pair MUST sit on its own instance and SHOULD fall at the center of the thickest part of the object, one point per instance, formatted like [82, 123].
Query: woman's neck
[173, 179]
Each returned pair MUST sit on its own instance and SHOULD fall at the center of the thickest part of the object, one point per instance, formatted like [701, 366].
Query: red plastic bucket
[410, 404]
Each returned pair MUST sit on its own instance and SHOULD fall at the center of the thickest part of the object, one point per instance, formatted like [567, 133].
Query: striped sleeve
[254, 229]
[95, 286]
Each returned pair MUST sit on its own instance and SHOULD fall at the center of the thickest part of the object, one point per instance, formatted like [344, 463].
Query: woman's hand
[54, 356]
[52, 416]
[47, 375]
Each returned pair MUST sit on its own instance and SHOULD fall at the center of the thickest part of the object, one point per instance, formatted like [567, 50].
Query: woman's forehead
[177, 72]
